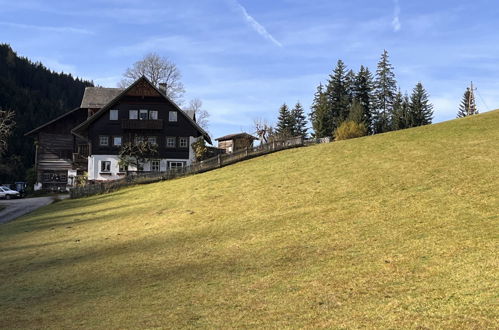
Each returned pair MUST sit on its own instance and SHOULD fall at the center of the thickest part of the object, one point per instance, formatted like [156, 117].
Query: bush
[350, 130]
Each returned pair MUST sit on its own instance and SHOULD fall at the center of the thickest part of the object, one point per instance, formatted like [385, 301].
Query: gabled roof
[51, 122]
[79, 129]
[237, 135]
[97, 97]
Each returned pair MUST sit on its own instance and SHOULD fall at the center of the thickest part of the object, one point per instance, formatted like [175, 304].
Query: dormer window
[172, 116]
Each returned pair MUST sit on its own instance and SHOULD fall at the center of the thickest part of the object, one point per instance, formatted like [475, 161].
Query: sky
[245, 58]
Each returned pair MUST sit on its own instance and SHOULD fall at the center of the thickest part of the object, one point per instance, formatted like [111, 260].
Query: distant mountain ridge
[36, 94]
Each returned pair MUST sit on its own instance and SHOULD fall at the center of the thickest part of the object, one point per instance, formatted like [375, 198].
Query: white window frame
[169, 139]
[152, 140]
[183, 142]
[114, 141]
[172, 116]
[113, 114]
[153, 114]
[101, 137]
[175, 164]
[155, 165]
[133, 114]
[105, 166]
[139, 138]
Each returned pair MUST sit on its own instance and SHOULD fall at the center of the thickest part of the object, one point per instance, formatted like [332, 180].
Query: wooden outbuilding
[233, 142]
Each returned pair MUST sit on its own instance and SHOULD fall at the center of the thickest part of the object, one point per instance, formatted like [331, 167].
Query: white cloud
[259, 28]
[396, 16]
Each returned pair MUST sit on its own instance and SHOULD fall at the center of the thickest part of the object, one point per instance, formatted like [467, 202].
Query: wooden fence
[198, 167]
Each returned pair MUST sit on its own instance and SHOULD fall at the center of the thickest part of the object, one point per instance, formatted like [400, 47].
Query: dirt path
[15, 208]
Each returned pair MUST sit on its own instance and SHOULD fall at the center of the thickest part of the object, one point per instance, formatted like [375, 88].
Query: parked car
[7, 193]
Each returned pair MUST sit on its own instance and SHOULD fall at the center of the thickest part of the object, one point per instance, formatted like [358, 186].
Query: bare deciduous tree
[6, 126]
[201, 114]
[263, 130]
[159, 70]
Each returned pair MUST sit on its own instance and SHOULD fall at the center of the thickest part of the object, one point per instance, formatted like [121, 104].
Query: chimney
[162, 88]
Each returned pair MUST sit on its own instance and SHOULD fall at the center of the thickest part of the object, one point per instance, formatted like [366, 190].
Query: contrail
[259, 28]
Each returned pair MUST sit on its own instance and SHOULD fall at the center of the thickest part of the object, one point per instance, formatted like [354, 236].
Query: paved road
[18, 207]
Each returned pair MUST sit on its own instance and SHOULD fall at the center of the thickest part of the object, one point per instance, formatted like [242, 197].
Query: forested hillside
[36, 94]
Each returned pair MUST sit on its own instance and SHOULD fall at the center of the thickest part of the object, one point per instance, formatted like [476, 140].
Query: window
[121, 168]
[116, 141]
[175, 164]
[133, 114]
[46, 177]
[105, 166]
[153, 115]
[63, 177]
[170, 142]
[183, 142]
[139, 139]
[113, 114]
[152, 140]
[155, 165]
[143, 115]
[172, 116]
[103, 140]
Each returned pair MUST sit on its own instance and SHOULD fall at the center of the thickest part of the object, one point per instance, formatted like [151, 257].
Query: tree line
[365, 102]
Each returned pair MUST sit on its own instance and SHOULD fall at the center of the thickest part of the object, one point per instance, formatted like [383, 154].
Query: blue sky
[244, 58]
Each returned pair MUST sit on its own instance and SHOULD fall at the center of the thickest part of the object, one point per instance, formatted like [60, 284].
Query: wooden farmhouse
[88, 139]
[233, 142]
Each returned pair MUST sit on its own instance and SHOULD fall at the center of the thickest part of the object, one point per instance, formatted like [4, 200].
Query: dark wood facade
[56, 147]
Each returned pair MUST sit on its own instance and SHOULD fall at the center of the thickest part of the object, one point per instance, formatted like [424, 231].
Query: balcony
[141, 124]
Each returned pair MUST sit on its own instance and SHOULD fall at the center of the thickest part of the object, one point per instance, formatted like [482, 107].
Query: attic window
[144, 114]
[113, 114]
[133, 114]
[172, 116]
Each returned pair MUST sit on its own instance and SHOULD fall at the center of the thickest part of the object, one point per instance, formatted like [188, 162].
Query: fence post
[219, 160]
[246, 151]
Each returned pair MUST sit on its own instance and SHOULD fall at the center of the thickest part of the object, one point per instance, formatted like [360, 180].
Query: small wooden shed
[234, 142]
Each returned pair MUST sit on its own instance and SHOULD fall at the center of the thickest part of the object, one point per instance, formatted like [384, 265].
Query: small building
[234, 142]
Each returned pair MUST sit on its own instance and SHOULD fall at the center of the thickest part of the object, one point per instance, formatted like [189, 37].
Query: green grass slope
[398, 230]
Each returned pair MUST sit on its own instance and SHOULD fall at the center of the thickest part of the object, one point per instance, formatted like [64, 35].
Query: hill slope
[392, 231]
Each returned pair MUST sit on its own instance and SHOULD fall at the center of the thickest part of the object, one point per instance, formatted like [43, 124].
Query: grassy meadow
[397, 230]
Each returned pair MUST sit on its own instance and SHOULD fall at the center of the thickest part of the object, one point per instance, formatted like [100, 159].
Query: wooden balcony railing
[141, 124]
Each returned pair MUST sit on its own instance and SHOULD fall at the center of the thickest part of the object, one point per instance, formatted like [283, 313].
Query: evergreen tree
[364, 95]
[337, 95]
[468, 105]
[420, 108]
[285, 122]
[400, 115]
[299, 121]
[385, 89]
[350, 78]
[356, 112]
[320, 114]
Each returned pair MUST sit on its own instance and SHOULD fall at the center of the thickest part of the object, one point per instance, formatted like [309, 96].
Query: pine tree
[385, 89]
[399, 117]
[320, 114]
[350, 78]
[285, 123]
[468, 105]
[420, 108]
[356, 112]
[337, 95]
[299, 121]
[364, 95]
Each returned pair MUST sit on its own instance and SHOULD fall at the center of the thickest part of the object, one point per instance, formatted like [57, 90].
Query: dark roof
[106, 107]
[97, 97]
[237, 135]
[52, 121]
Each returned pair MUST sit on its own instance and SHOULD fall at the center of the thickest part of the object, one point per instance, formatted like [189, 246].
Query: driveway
[18, 207]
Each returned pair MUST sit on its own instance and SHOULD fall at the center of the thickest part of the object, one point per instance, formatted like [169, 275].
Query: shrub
[350, 130]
